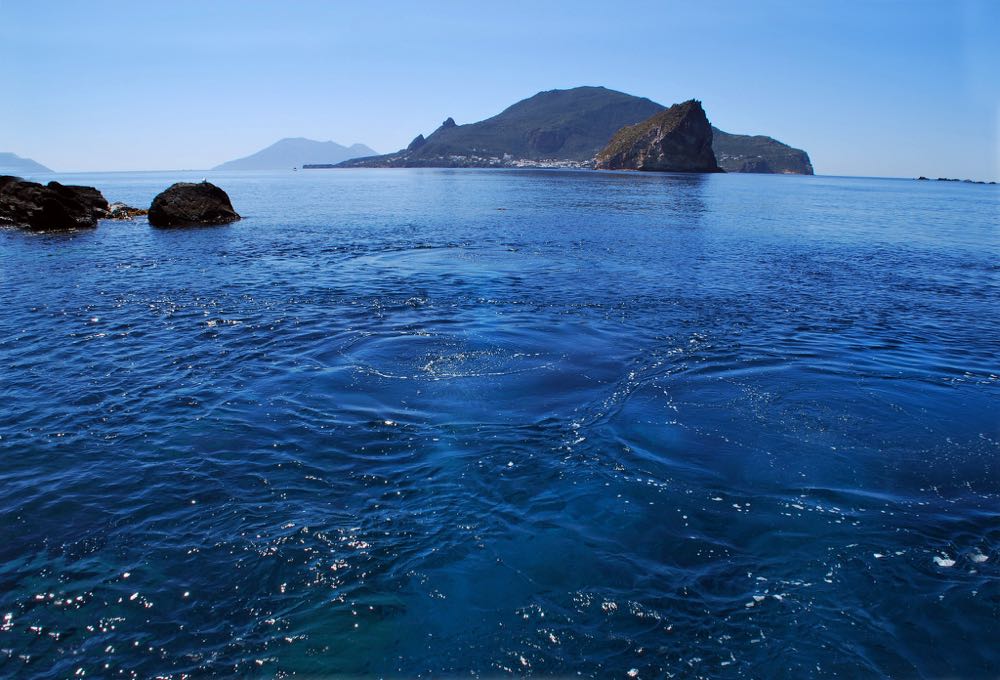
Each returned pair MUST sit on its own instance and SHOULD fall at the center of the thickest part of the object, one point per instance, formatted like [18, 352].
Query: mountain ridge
[293, 152]
[12, 164]
[570, 125]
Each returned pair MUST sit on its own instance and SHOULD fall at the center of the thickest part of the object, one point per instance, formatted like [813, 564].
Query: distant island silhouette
[293, 152]
[12, 164]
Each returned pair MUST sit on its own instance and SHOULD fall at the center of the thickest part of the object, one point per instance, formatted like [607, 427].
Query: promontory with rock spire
[567, 128]
[678, 139]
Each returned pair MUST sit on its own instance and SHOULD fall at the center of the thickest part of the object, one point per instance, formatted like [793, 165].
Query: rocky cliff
[678, 139]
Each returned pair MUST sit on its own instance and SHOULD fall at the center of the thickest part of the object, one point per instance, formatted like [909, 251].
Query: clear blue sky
[894, 88]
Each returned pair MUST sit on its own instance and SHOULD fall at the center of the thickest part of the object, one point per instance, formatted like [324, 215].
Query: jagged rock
[448, 123]
[120, 211]
[189, 204]
[417, 142]
[49, 207]
[86, 195]
[678, 139]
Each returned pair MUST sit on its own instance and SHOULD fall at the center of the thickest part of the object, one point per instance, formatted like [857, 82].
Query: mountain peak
[759, 153]
[292, 152]
[417, 142]
[12, 164]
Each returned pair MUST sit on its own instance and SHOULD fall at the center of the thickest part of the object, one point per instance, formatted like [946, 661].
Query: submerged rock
[678, 139]
[189, 204]
[120, 211]
[50, 207]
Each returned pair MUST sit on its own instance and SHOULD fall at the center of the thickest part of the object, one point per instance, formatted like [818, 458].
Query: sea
[438, 423]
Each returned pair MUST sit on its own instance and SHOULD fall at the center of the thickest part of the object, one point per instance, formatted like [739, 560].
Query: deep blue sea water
[450, 422]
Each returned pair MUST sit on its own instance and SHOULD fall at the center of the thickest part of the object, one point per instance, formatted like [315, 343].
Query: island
[566, 129]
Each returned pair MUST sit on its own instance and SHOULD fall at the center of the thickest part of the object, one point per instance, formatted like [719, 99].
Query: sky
[895, 88]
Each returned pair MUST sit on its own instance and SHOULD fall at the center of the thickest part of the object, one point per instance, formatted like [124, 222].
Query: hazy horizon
[894, 89]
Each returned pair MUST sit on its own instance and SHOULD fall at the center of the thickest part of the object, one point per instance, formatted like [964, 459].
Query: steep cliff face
[678, 139]
[758, 153]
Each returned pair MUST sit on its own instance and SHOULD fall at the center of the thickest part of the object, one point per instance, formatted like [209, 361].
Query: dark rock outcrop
[678, 139]
[449, 122]
[85, 195]
[964, 181]
[189, 204]
[50, 207]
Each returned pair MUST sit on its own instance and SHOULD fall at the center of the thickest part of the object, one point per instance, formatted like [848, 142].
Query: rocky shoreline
[949, 179]
[61, 207]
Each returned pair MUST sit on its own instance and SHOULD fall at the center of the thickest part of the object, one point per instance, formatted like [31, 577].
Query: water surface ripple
[434, 422]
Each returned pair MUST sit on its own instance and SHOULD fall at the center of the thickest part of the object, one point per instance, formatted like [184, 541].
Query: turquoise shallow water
[434, 422]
